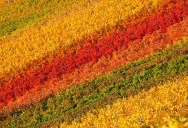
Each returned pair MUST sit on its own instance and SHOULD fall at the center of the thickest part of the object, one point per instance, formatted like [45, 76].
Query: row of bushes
[128, 80]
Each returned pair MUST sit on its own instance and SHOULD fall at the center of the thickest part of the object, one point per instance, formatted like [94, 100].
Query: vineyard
[94, 63]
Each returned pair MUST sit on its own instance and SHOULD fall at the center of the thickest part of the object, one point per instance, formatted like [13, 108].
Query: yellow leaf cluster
[169, 122]
[145, 108]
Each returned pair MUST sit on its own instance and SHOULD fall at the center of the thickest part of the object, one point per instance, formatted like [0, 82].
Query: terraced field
[94, 63]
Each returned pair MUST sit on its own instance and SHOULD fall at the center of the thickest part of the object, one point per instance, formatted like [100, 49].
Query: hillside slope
[74, 63]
